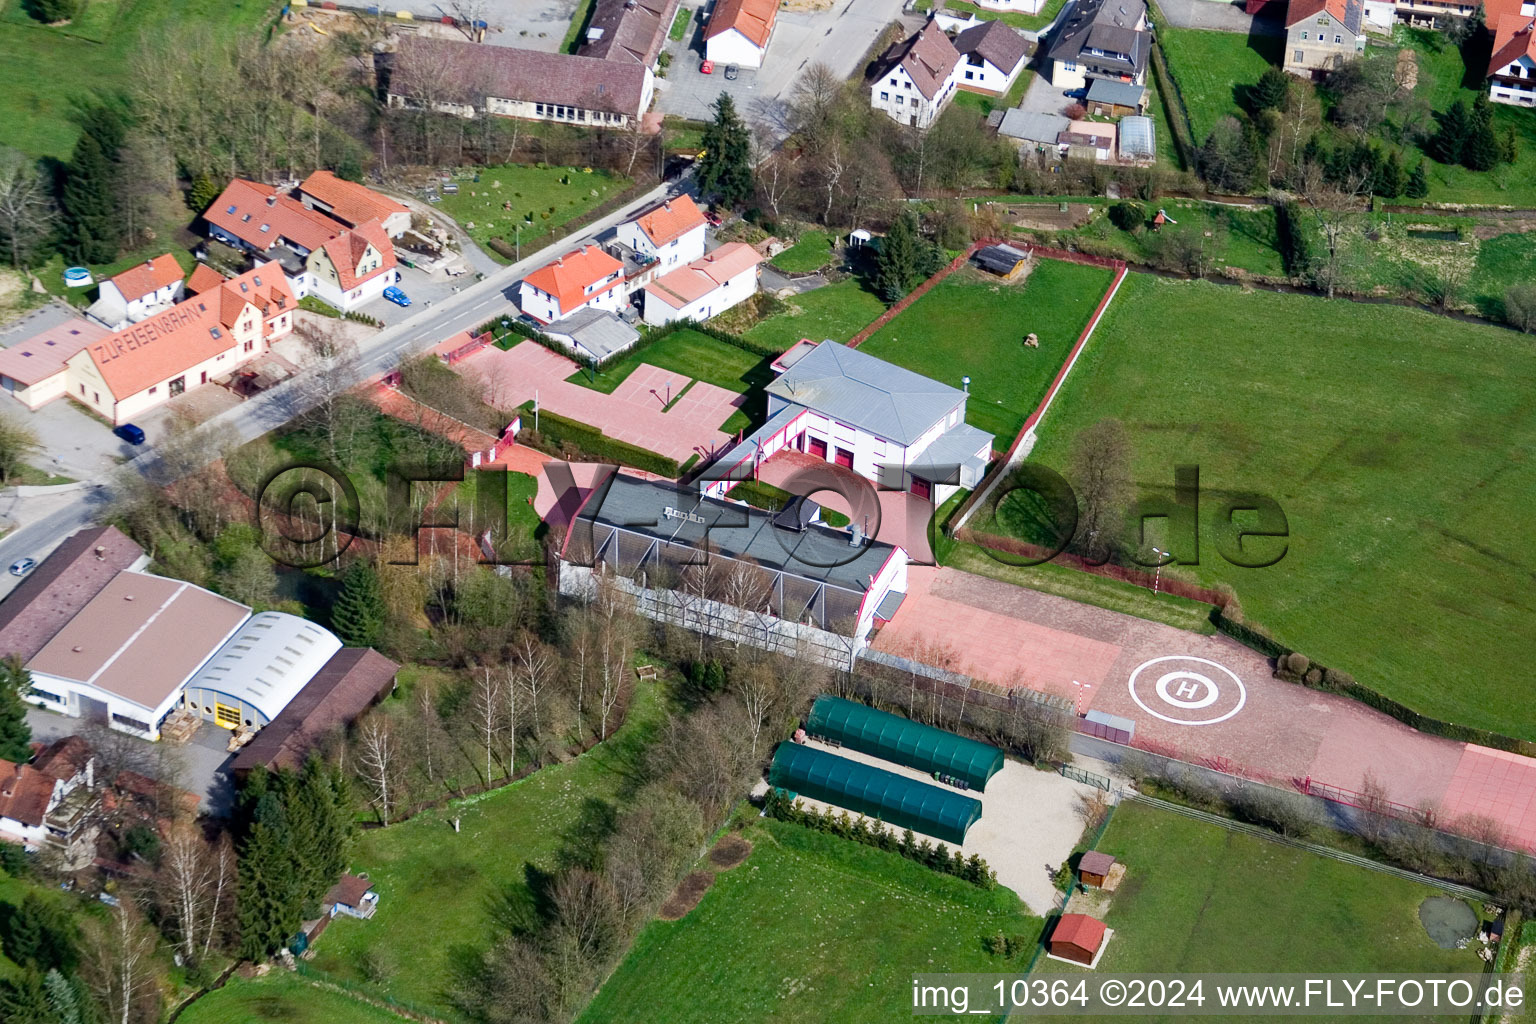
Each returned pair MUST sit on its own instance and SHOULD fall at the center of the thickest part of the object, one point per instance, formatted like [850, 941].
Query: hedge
[556, 432]
[766, 496]
[648, 337]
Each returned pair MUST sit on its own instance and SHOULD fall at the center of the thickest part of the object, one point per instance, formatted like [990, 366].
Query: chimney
[272, 199]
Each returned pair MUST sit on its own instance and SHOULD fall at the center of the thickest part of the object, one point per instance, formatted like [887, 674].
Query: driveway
[1218, 16]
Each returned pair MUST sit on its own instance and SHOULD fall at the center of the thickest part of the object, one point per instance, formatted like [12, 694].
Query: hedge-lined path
[1283, 733]
[635, 413]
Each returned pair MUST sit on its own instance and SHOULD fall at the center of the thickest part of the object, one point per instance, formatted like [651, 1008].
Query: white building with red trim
[706, 287]
[587, 278]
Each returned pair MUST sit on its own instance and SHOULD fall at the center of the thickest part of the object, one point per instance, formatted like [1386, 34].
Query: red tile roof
[1301, 10]
[25, 793]
[147, 277]
[672, 219]
[350, 202]
[348, 249]
[1079, 930]
[244, 208]
[752, 18]
[696, 280]
[45, 353]
[188, 333]
[1515, 37]
[569, 276]
[928, 57]
[203, 278]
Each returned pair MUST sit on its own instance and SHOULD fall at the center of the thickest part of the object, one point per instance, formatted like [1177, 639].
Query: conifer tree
[15, 733]
[725, 170]
[359, 611]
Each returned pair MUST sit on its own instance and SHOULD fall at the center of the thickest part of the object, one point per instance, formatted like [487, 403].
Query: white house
[1100, 39]
[739, 30]
[585, 278]
[138, 292]
[1512, 68]
[918, 78]
[671, 234]
[992, 56]
[350, 270]
[896, 428]
[44, 802]
[709, 285]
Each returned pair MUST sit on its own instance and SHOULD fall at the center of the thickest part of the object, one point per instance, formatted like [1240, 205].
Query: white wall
[329, 291]
[733, 292]
[542, 306]
[986, 76]
[899, 98]
[684, 249]
[1067, 75]
[71, 692]
[734, 48]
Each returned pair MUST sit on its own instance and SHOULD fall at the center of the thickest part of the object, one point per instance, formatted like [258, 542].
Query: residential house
[992, 56]
[632, 30]
[203, 278]
[739, 31]
[351, 269]
[269, 225]
[32, 370]
[1100, 39]
[592, 335]
[137, 292]
[45, 802]
[352, 204]
[1320, 35]
[1088, 140]
[1033, 131]
[1109, 98]
[466, 79]
[207, 336]
[1512, 68]
[1437, 13]
[587, 277]
[668, 235]
[917, 78]
[899, 429]
[709, 285]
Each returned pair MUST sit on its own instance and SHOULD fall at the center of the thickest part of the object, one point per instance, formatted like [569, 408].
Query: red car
[707, 68]
[714, 218]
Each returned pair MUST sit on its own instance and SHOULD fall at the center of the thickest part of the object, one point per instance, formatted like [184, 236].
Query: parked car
[731, 71]
[714, 218]
[397, 296]
[707, 68]
[23, 567]
[130, 433]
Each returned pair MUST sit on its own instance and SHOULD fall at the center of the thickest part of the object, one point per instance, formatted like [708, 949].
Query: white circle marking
[1211, 689]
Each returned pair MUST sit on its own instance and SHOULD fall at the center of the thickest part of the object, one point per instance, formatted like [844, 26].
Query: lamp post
[966, 383]
[1157, 573]
[517, 242]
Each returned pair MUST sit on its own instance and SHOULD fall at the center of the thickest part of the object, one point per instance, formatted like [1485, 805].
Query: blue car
[130, 433]
[397, 296]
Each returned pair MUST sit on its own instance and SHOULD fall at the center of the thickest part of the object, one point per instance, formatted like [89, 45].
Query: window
[154, 388]
[1338, 38]
[96, 397]
[968, 76]
[205, 378]
[231, 208]
[82, 390]
[885, 97]
[1303, 34]
[266, 227]
[1297, 57]
[1071, 65]
[131, 723]
[46, 695]
[248, 346]
[178, 386]
[901, 101]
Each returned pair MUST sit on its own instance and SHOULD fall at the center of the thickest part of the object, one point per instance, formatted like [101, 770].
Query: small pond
[1450, 922]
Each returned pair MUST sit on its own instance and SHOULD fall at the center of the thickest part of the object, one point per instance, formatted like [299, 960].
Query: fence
[1079, 775]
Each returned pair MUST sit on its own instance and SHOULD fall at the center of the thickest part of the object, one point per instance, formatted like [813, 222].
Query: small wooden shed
[1094, 867]
[1077, 937]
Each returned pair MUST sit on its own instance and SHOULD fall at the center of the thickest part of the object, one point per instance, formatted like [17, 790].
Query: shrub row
[780, 805]
[766, 496]
[572, 440]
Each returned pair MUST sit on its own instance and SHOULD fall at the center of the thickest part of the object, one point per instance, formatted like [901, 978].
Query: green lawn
[812, 251]
[1162, 126]
[282, 996]
[1236, 237]
[541, 203]
[838, 311]
[46, 68]
[1200, 898]
[1501, 261]
[959, 8]
[437, 889]
[1397, 442]
[680, 23]
[1209, 67]
[973, 324]
[986, 104]
[696, 356]
[51, 274]
[809, 928]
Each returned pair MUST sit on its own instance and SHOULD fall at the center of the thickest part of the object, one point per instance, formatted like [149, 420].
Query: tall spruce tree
[1418, 182]
[358, 614]
[1388, 180]
[1450, 141]
[1272, 89]
[24, 1000]
[1482, 150]
[897, 264]
[15, 733]
[94, 234]
[725, 170]
[271, 896]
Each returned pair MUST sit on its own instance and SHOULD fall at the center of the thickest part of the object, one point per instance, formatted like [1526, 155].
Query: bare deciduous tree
[194, 882]
[27, 212]
[378, 763]
[485, 711]
[119, 965]
[1336, 207]
[1101, 476]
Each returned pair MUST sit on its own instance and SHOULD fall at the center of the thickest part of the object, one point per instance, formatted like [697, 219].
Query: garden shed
[873, 792]
[1094, 867]
[1077, 937]
[894, 738]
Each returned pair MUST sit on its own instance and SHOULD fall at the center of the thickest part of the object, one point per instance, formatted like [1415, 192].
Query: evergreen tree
[358, 613]
[51, 12]
[1449, 142]
[37, 933]
[203, 192]
[1272, 89]
[1389, 176]
[1418, 183]
[24, 1000]
[1482, 150]
[65, 999]
[725, 170]
[897, 267]
[92, 225]
[271, 896]
[15, 733]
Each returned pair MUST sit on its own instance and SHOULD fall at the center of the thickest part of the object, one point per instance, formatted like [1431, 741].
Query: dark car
[731, 71]
[130, 433]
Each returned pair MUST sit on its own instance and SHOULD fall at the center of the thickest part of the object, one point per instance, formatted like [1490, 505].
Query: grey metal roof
[1033, 127]
[1137, 137]
[1124, 94]
[940, 462]
[598, 331]
[677, 515]
[1001, 259]
[862, 391]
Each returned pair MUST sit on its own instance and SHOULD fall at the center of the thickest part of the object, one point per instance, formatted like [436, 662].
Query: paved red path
[636, 411]
[1015, 636]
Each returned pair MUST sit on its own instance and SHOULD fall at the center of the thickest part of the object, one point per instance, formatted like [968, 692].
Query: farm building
[1094, 867]
[894, 738]
[1002, 260]
[873, 792]
[1079, 938]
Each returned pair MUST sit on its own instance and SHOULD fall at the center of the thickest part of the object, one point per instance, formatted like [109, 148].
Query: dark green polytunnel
[873, 792]
[893, 738]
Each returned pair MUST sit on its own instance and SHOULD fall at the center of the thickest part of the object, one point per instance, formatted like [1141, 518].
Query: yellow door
[226, 716]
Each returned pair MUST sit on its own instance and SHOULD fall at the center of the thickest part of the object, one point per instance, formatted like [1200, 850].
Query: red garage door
[844, 458]
[922, 489]
[818, 448]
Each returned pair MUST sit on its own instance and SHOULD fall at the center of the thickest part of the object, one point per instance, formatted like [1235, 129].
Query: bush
[1127, 216]
[1520, 307]
[567, 438]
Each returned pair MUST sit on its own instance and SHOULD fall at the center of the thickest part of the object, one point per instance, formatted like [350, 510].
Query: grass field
[960, 8]
[698, 357]
[838, 311]
[47, 68]
[282, 996]
[986, 104]
[680, 24]
[1200, 898]
[810, 928]
[542, 202]
[973, 324]
[1209, 68]
[437, 888]
[812, 251]
[1243, 238]
[1397, 442]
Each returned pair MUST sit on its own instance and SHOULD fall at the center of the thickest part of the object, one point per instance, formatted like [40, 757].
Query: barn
[873, 792]
[894, 738]
[1079, 938]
